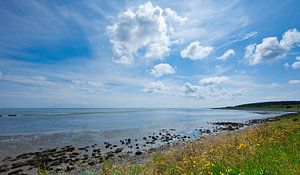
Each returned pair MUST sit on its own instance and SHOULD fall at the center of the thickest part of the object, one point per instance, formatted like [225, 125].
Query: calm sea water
[39, 121]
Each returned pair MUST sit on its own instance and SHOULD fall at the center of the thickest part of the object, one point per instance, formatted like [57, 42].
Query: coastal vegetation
[269, 148]
[273, 105]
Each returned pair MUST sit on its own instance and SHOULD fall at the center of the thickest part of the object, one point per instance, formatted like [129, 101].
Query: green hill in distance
[272, 105]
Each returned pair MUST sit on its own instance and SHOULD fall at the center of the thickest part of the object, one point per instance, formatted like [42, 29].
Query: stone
[138, 153]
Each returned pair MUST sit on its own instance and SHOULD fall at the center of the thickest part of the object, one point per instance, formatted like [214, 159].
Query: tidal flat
[64, 140]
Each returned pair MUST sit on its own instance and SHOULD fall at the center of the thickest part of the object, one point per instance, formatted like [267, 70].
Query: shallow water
[32, 129]
[37, 121]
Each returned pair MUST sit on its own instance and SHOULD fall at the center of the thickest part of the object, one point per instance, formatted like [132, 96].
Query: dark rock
[55, 163]
[92, 163]
[6, 158]
[230, 128]
[3, 168]
[58, 169]
[75, 153]
[84, 148]
[19, 164]
[25, 156]
[118, 150]
[138, 153]
[97, 150]
[70, 168]
[109, 154]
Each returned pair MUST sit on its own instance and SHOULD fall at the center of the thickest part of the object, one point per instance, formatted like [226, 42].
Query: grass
[270, 148]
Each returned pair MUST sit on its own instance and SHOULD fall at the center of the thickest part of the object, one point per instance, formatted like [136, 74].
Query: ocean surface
[23, 130]
[38, 121]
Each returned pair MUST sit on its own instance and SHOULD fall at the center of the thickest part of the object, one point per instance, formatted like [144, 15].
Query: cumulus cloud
[162, 69]
[208, 88]
[226, 55]
[271, 48]
[147, 28]
[296, 64]
[294, 82]
[268, 50]
[208, 92]
[196, 51]
[156, 87]
[213, 80]
[173, 16]
[192, 91]
[290, 38]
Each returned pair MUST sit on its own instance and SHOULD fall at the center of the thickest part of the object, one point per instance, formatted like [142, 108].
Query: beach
[86, 147]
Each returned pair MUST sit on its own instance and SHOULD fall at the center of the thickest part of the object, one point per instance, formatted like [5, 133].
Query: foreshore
[72, 159]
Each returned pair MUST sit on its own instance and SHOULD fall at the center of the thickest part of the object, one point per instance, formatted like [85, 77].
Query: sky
[189, 54]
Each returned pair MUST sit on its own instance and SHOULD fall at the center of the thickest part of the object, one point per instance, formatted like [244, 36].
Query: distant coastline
[293, 106]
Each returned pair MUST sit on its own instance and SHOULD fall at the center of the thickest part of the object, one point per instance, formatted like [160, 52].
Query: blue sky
[148, 53]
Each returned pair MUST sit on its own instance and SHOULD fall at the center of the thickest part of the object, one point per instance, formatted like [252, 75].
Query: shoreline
[73, 159]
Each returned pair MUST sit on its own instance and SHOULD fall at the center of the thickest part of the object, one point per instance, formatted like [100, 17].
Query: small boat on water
[9, 115]
[12, 115]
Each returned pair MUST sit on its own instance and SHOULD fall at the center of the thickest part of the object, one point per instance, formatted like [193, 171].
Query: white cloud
[286, 65]
[249, 35]
[290, 38]
[271, 48]
[156, 87]
[226, 55]
[293, 82]
[172, 15]
[213, 80]
[210, 88]
[296, 64]
[83, 83]
[195, 51]
[146, 28]
[208, 92]
[39, 78]
[88, 86]
[268, 50]
[0, 74]
[193, 91]
[162, 69]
